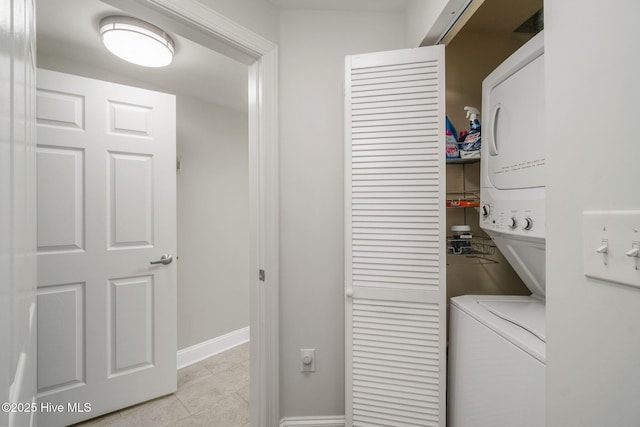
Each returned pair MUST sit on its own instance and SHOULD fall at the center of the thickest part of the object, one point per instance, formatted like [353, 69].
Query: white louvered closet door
[395, 239]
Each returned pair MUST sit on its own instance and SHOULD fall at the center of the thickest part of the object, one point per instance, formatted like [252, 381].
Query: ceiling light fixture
[136, 41]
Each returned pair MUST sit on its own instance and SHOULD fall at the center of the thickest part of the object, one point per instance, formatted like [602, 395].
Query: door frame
[197, 22]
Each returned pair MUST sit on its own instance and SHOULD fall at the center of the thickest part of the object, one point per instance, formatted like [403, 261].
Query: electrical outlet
[307, 360]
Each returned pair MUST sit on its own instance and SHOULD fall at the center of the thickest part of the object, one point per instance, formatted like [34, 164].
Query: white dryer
[497, 343]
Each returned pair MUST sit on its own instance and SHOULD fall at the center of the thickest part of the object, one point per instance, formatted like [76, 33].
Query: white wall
[213, 221]
[312, 49]
[260, 16]
[420, 16]
[17, 210]
[593, 327]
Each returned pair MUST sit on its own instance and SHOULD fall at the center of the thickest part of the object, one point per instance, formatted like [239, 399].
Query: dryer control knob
[528, 223]
[486, 210]
[513, 222]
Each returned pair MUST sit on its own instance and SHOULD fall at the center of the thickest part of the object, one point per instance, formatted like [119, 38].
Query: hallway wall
[313, 45]
[260, 16]
[213, 221]
[420, 16]
[593, 327]
[18, 198]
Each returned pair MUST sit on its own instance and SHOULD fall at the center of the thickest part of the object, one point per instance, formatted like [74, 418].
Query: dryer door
[513, 128]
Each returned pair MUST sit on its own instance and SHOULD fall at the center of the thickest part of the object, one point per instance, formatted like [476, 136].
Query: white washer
[497, 343]
[497, 365]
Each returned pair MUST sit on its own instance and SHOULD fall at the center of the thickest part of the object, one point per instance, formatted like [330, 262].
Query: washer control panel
[513, 217]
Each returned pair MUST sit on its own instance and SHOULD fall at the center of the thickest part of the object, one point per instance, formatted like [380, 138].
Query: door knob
[164, 260]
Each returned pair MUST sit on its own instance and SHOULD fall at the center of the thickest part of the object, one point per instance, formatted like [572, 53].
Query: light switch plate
[620, 232]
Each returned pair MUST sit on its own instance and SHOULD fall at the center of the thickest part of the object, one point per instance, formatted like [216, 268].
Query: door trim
[193, 20]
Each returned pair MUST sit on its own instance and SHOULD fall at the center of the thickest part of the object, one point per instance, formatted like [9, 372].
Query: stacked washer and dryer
[497, 343]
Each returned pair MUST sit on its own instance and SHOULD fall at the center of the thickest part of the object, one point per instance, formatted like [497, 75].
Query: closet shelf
[463, 204]
[478, 248]
[463, 199]
[460, 161]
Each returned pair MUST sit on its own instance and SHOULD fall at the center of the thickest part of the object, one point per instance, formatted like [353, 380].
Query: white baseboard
[195, 353]
[335, 421]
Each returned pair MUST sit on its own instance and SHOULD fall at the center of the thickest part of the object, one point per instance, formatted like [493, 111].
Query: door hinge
[261, 275]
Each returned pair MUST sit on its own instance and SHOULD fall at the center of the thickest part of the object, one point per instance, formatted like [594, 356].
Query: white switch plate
[620, 230]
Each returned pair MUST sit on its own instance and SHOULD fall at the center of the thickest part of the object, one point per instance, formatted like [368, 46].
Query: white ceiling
[363, 5]
[68, 30]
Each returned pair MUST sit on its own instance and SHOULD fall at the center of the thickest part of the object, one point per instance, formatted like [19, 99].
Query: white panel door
[106, 209]
[395, 239]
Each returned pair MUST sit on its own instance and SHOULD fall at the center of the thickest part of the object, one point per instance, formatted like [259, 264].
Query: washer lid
[518, 319]
[529, 315]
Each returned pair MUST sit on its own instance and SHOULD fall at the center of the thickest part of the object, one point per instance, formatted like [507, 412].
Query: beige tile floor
[211, 393]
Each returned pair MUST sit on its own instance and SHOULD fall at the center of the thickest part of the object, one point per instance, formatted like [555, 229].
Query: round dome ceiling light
[137, 41]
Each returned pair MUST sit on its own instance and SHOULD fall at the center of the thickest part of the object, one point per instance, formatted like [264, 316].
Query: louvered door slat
[390, 220]
[394, 228]
[394, 114]
[412, 97]
[398, 173]
[388, 71]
